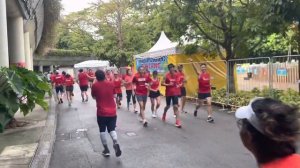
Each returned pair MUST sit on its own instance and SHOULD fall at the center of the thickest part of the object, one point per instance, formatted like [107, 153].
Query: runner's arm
[163, 82]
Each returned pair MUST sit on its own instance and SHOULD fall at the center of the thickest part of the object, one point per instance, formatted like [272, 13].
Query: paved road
[197, 145]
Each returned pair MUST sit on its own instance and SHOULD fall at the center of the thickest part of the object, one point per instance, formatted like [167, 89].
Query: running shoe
[154, 115]
[178, 123]
[145, 123]
[105, 153]
[135, 111]
[210, 119]
[117, 150]
[164, 117]
[195, 113]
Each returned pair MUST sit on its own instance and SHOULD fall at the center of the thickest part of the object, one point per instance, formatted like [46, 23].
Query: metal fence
[238, 80]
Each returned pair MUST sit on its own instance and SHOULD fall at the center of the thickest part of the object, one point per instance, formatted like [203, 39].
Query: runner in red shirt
[52, 77]
[154, 94]
[141, 82]
[171, 81]
[129, 89]
[118, 90]
[69, 82]
[109, 76]
[103, 92]
[83, 84]
[182, 81]
[59, 81]
[204, 90]
[91, 76]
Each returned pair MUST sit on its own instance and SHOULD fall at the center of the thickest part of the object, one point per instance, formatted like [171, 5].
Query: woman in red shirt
[141, 82]
[129, 89]
[118, 90]
[269, 129]
[204, 90]
[154, 94]
[171, 81]
[69, 82]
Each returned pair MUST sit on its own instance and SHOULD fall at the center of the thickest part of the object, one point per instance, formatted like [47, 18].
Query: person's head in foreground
[129, 72]
[141, 70]
[100, 75]
[154, 73]
[269, 129]
[116, 74]
[203, 67]
[180, 68]
[80, 70]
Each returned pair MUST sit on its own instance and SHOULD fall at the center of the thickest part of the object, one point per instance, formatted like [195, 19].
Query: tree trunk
[230, 71]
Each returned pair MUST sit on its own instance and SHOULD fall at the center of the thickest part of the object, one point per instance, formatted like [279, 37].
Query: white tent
[92, 64]
[162, 47]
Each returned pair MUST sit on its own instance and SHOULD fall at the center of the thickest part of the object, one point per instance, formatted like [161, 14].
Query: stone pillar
[28, 57]
[16, 41]
[4, 57]
[41, 69]
[31, 59]
[51, 68]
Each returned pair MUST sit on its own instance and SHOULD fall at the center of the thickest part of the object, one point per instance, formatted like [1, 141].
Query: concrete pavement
[197, 145]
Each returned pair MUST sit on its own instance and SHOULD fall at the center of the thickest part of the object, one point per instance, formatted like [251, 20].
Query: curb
[42, 156]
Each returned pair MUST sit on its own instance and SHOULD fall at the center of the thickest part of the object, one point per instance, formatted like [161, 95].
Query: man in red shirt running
[103, 93]
[83, 84]
[129, 89]
[59, 81]
[91, 76]
[182, 81]
[171, 81]
[141, 82]
[204, 90]
[69, 82]
[118, 90]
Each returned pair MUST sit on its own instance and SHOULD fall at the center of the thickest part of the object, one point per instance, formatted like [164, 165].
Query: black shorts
[108, 123]
[183, 92]
[84, 88]
[174, 100]
[59, 89]
[153, 94]
[129, 95]
[203, 95]
[119, 95]
[69, 88]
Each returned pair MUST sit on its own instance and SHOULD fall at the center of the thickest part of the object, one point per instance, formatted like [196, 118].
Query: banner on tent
[158, 63]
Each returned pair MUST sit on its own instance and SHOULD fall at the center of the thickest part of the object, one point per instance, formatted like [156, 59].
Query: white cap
[246, 112]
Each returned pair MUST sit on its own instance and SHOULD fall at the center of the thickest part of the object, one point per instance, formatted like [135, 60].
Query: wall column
[51, 68]
[16, 41]
[4, 57]
[27, 51]
[41, 69]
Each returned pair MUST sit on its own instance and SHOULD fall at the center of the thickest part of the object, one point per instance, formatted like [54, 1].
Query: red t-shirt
[91, 74]
[181, 78]
[174, 89]
[118, 84]
[52, 77]
[69, 81]
[59, 80]
[155, 84]
[291, 161]
[83, 79]
[140, 82]
[204, 83]
[128, 78]
[103, 92]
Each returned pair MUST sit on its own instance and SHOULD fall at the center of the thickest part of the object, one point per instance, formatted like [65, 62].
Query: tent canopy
[162, 47]
[92, 64]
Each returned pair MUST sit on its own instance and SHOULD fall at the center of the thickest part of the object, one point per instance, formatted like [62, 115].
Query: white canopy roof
[162, 47]
[92, 64]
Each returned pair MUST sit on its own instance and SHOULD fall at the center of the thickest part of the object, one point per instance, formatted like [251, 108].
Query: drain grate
[73, 135]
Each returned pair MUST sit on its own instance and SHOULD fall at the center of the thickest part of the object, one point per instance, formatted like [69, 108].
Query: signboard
[281, 72]
[158, 63]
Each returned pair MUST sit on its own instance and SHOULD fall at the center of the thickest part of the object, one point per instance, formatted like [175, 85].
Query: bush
[242, 98]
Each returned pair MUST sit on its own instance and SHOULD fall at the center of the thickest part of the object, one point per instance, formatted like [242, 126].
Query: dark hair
[280, 126]
[203, 64]
[155, 72]
[171, 66]
[80, 70]
[68, 75]
[100, 75]
[64, 73]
